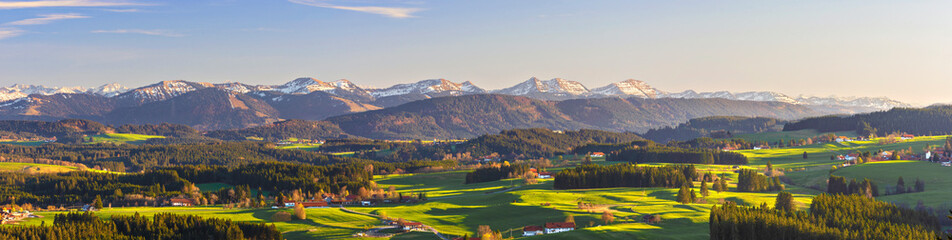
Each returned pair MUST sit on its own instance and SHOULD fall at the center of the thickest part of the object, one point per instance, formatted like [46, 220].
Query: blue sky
[899, 49]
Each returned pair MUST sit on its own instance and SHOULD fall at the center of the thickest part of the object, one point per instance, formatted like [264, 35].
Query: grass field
[122, 138]
[300, 146]
[33, 168]
[788, 135]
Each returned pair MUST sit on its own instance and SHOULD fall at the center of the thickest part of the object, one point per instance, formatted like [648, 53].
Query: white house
[532, 231]
[545, 175]
[558, 227]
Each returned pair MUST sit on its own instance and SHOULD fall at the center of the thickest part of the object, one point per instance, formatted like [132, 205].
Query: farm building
[314, 204]
[545, 175]
[597, 154]
[410, 226]
[182, 202]
[557, 227]
[532, 231]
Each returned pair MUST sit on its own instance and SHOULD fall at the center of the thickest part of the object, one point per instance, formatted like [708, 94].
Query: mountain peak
[630, 87]
[429, 88]
[556, 86]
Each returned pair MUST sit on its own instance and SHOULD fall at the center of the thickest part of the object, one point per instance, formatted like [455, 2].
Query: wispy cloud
[46, 18]
[66, 3]
[394, 12]
[155, 32]
[130, 10]
[10, 32]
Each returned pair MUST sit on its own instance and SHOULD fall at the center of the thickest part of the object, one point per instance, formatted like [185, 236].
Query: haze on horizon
[895, 49]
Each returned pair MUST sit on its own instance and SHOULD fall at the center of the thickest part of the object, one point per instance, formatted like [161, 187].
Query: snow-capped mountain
[108, 90]
[309, 85]
[430, 88]
[872, 103]
[630, 87]
[869, 102]
[162, 91]
[18, 91]
[552, 89]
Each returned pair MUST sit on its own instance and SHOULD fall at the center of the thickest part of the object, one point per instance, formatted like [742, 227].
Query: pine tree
[784, 201]
[704, 191]
[900, 186]
[684, 196]
[98, 202]
[717, 186]
[804, 155]
[724, 185]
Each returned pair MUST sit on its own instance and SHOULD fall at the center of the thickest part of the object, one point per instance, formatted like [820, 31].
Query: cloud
[66, 3]
[156, 32]
[46, 18]
[122, 10]
[394, 12]
[10, 32]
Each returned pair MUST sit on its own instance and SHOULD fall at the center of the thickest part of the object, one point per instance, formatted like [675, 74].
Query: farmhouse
[597, 154]
[545, 175]
[907, 137]
[182, 202]
[410, 226]
[557, 227]
[532, 231]
[314, 204]
[840, 139]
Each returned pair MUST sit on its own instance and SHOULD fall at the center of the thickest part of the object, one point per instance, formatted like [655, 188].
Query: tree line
[625, 175]
[665, 154]
[936, 120]
[749, 180]
[87, 225]
[495, 172]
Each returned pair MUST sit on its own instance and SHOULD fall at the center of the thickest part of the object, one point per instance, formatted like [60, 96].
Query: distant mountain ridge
[313, 99]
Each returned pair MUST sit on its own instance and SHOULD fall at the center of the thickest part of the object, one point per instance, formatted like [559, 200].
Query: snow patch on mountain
[555, 85]
[18, 91]
[430, 88]
[630, 87]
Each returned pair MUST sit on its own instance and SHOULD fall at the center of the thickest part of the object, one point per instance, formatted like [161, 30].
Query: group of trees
[85, 186]
[87, 225]
[278, 176]
[494, 172]
[829, 217]
[749, 180]
[540, 142]
[714, 127]
[838, 185]
[677, 155]
[625, 175]
[900, 188]
[936, 120]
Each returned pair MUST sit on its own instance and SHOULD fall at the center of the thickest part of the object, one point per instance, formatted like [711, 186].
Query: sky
[896, 49]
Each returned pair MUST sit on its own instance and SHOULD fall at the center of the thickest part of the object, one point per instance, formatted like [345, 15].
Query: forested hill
[715, 127]
[473, 115]
[935, 120]
[539, 142]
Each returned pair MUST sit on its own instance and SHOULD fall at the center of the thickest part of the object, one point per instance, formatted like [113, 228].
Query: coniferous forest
[829, 217]
[625, 175]
[161, 226]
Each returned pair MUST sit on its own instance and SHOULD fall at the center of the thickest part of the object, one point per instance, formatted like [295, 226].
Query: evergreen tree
[98, 202]
[784, 202]
[718, 187]
[684, 196]
[900, 186]
[704, 191]
[804, 154]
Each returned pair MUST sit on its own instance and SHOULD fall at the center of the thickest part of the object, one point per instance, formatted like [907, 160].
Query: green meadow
[122, 138]
[33, 168]
[457, 209]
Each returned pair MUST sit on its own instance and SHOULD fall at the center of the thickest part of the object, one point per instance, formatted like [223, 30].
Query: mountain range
[208, 106]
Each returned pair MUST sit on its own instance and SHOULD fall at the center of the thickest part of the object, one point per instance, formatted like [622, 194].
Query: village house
[597, 154]
[557, 227]
[410, 226]
[907, 137]
[532, 231]
[313, 204]
[545, 175]
[181, 202]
